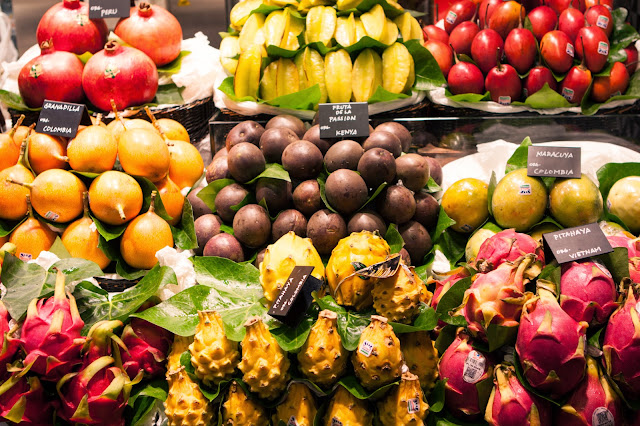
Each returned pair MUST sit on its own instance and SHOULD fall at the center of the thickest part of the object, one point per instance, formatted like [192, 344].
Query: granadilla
[9, 344]
[322, 358]
[398, 297]
[420, 356]
[550, 344]
[593, 403]
[50, 334]
[587, 292]
[147, 348]
[469, 373]
[355, 252]
[497, 297]
[511, 403]
[185, 403]
[213, 356]
[633, 247]
[281, 257]
[377, 360]
[298, 408]
[621, 345]
[347, 410]
[22, 400]
[264, 364]
[405, 404]
[508, 246]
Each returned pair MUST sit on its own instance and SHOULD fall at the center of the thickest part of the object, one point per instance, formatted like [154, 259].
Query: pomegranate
[53, 75]
[67, 23]
[124, 74]
[153, 30]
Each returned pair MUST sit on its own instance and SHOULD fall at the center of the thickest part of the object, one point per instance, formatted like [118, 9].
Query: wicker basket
[194, 116]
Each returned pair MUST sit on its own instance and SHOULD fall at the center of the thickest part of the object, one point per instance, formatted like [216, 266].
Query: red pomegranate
[67, 23]
[54, 75]
[124, 74]
[153, 30]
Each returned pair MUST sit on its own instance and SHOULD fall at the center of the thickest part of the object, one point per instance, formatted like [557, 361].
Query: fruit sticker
[567, 93]
[111, 71]
[525, 189]
[504, 100]
[474, 367]
[292, 421]
[366, 348]
[82, 19]
[602, 417]
[52, 216]
[466, 227]
[603, 48]
[570, 50]
[25, 256]
[413, 406]
[36, 70]
[335, 422]
[451, 17]
[602, 22]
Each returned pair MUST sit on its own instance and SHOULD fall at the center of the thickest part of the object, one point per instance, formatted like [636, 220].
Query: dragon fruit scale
[213, 356]
[378, 359]
[22, 400]
[239, 409]
[50, 334]
[355, 252]
[497, 297]
[281, 257]
[507, 246]
[469, 373]
[593, 403]
[587, 292]
[551, 345]
[322, 358]
[264, 364]
[621, 345]
[147, 348]
[186, 405]
[398, 297]
[511, 403]
[9, 344]
[347, 410]
[298, 408]
[420, 356]
[405, 404]
[633, 247]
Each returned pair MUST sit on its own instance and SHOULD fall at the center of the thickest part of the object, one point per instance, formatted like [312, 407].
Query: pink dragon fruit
[621, 345]
[587, 292]
[22, 400]
[511, 404]
[506, 246]
[9, 345]
[497, 297]
[102, 341]
[469, 373]
[633, 246]
[51, 334]
[147, 348]
[594, 402]
[550, 344]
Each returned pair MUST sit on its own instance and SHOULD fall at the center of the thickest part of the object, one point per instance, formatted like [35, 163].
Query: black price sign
[553, 161]
[61, 118]
[348, 120]
[577, 243]
[295, 297]
[99, 9]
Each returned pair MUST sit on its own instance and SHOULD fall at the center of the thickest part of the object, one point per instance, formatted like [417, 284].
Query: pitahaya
[497, 297]
[147, 348]
[593, 403]
[633, 246]
[22, 400]
[621, 345]
[469, 374]
[102, 341]
[550, 345]
[507, 246]
[51, 334]
[511, 404]
[9, 345]
[587, 292]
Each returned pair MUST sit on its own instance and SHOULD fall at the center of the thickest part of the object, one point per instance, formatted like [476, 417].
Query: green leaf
[169, 94]
[209, 192]
[7, 227]
[226, 87]
[15, 101]
[108, 232]
[147, 188]
[426, 321]
[174, 66]
[184, 237]
[389, 10]
[547, 98]
[519, 159]
[291, 339]
[610, 173]
[468, 97]
[217, 271]
[365, 42]
[498, 336]
[444, 222]
[321, 47]
[272, 171]
[306, 99]
[451, 300]
[382, 95]
[350, 324]
[143, 399]
[432, 187]
[321, 183]
[377, 192]
[445, 338]
[279, 52]
[265, 9]
[59, 249]
[617, 262]
[428, 73]
[128, 272]
[452, 244]
[436, 398]
[394, 239]
[354, 387]
[156, 389]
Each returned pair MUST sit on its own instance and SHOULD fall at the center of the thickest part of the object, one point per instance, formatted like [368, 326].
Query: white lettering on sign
[553, 172]
[62, 107]
[572, 233]
[586, 253]
[56, 129]
[554, 154]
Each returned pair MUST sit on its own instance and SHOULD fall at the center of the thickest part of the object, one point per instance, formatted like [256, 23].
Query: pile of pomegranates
[126, 75]
[517, 49]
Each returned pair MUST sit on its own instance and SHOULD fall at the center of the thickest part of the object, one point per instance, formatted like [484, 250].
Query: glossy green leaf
[394, 239]
[382, 95]
[350, 324]
[519, 159]
[174, 66]
[451, 300]
[272, 171]
[428, 73]
[209, 192]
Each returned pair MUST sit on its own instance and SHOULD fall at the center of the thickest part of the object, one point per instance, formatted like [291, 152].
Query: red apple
[486, 9]
[442, 54]
[536, 80]
[557, 51]
[457, 13]
[503, 83]
[462, 36]
[543, 19]
[506, 17]
[614, 84]
[600, 16]
[570, 22]
[484, 47]
[575, 83]
[592, 46]
[520, 49]
[465, 77]
[431, 32]
[632, 58]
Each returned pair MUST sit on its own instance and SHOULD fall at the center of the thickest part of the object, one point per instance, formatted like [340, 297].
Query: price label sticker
[474, 367]
[347, 120]
[554, 161]
[100, 9]
[62, 118]
[580, 242]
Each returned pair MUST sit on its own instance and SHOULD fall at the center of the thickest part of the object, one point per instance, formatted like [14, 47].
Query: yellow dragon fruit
[405, 405]
[213, 356]
[355, 252]
[238, 409]
[347, 410]
[185, 404]
[298, 408]
[322, 358]
[180, 345]
[398, 297]
[421, 357]
[264, 364]
[281, 257]
[378, 360]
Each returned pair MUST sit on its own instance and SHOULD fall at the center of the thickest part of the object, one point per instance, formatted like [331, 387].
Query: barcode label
[366, 348]
[335, 422]
[474, 367]
[25, 256]
[292, 421]
[413, 406]
[602, 417]
[451, 17]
